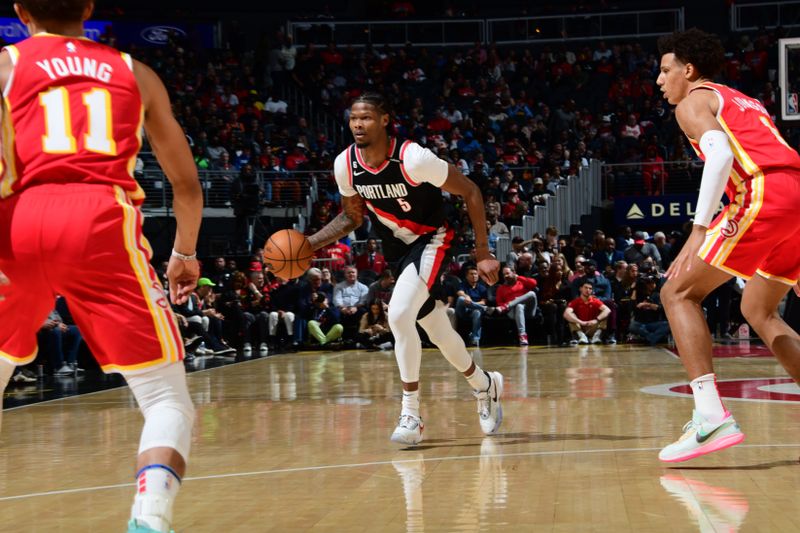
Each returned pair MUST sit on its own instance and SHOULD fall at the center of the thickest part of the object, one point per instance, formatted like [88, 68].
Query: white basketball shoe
[490, 411]
[409, 430]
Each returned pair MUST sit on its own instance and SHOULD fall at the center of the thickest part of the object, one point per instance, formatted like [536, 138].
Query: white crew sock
[706, 398]
[410, 403]
[156, 489]
[478, 380]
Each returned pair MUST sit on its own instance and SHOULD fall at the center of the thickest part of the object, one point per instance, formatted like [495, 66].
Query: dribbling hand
[488, 269]
[183, 276]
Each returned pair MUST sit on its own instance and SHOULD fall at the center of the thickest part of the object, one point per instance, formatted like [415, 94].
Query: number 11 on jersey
[59, 137]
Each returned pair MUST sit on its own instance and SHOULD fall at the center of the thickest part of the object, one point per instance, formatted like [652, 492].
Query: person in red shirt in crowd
[338, 252]
[439, 123]
[653, 172]
[517, 297]
[331, 56]
[586, 316]
[296, 158]
[371, 259]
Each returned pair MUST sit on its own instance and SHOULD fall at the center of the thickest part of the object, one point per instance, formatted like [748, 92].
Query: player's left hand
[488, 269]
[684, 260]
[183, 276]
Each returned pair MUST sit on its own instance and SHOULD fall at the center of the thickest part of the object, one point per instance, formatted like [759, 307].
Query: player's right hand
[183, 276]
[488, 270]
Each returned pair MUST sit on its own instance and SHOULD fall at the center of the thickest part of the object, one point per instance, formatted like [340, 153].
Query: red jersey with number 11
[72, 114]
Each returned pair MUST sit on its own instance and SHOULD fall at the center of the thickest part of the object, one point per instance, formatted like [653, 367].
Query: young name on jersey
[58, 67]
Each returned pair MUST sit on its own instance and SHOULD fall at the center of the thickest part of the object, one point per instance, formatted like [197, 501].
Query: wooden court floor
[301, 443]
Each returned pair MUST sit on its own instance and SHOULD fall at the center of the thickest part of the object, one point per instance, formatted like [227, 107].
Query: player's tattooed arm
[351, 218]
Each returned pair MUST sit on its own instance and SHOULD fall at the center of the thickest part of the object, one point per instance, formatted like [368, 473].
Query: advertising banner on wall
[12, 30]
[158, 34]
[669, 209]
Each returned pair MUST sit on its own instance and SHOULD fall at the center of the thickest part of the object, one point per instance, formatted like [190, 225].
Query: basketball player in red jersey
[755, 237]
[401, 184]
[70, 224]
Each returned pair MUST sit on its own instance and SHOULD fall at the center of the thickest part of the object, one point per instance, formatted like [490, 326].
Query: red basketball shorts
[84, 242]
[759, 231]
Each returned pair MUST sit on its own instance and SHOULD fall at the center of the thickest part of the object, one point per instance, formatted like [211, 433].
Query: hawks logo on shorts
[730, 230]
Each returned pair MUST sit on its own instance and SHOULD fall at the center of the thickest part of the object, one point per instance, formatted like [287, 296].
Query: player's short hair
[376, 100]
[62, 10]
[701, 49]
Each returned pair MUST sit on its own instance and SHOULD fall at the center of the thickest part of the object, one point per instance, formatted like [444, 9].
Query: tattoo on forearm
[334, 230]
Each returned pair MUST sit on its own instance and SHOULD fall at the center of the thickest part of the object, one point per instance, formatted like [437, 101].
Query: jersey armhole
[13, 54]
[720, 99]
[403, 166]
[348, 159]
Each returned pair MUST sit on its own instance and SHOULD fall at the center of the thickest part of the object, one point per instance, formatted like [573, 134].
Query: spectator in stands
[337, 252]
[275, 105]
[212, 318]
[283, 299]
[194, 325]
[601, 290]
[371, 259]
[471, 303]
[625, 238]
[381, 289]
[649, 321]
[664, 249]
[238, 320]
[373, 329]
[640, 250]
[246, 201]
[219, 275]
[323, 324]
[653, 172]
[608, 256]
[349, 299]
[516, 297]
[514, 208]
[525, 265]
[553, 296]
[586, 316]
[60, 340]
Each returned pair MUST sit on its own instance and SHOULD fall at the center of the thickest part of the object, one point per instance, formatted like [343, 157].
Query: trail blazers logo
[635, 213]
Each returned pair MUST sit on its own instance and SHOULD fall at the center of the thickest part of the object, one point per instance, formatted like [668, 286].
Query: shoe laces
[484, 402]
[409, 422]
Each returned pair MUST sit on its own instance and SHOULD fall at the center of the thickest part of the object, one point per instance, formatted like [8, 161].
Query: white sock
[706, 398]
[156, 489]
[410, 403]
[478, 380]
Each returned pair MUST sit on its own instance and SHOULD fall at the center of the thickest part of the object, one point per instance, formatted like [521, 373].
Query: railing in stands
[320, 119]
[279, 189]
[585, 26]
[570, 203]
[643, 178]
[463, 32]
[753, 16]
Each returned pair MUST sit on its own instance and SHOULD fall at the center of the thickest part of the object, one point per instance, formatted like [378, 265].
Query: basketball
[288, 253]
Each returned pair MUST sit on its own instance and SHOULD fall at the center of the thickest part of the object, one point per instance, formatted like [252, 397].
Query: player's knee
[754, 313]
[164, 400]
[401, 317]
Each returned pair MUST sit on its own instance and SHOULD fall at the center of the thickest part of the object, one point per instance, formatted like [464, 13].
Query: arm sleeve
[342, 175]
[719, 159]
[423, 166]
[529, 283]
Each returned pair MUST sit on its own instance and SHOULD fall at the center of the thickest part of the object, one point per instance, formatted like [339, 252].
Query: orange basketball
[288, 253]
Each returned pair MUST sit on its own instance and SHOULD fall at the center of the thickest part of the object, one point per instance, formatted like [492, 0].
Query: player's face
[367, 123]
[672, 80]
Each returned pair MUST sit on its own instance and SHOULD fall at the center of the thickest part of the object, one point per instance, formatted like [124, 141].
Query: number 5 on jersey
[405, 206]
[59, 137]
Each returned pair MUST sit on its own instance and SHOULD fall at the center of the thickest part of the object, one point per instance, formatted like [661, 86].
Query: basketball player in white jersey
[401, 183]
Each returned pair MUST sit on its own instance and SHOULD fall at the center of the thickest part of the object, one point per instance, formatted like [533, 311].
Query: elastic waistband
[66, 188]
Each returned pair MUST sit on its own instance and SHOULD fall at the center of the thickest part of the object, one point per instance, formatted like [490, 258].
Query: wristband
[183, 257]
